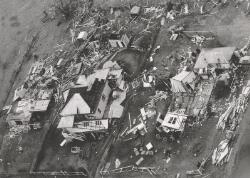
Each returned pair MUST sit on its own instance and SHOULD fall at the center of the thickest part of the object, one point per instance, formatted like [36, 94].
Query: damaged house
[183, 82]
[214, 59]
[119, 40]
[24, 109]
[172, 124]
[84, 113]
[84, 109]
[88, 100]
[19, 114]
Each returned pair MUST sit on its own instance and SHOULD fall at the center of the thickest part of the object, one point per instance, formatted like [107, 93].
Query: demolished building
[183, 82]
[173, 122]
[87, 104]
[214, 58]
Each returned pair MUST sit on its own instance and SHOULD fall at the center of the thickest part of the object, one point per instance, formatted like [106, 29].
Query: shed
[135, 10]
[182, 81]
[174, 121]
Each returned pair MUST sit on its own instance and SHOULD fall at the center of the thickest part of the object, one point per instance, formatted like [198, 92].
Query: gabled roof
[83, 100]
[75, 105]
[215, 56]
[66, 122]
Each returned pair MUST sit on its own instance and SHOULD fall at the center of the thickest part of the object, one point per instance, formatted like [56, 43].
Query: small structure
[135, 11]
[116, 109]
[39, 105]
[119, 42]
[183, 82]
[19, 113]
[218, 58]
[82, 35]
[174, 122]
[19, 93]
[111, 65]
[36, 68]
[245, 60]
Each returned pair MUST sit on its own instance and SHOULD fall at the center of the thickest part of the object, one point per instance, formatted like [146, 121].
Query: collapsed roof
[83, 99]
[174, 121]
[180, 81]
[216, 57]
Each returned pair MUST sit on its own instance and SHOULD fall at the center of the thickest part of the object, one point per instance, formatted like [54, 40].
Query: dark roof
[92, 97]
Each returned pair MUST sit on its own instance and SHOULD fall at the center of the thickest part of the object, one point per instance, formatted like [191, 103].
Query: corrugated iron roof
[220, 55]
[91, 97]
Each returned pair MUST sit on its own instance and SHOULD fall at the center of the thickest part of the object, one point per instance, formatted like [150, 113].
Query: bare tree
[66, 7]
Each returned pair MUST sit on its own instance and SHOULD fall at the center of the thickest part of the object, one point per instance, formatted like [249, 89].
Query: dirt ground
[20, 21]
